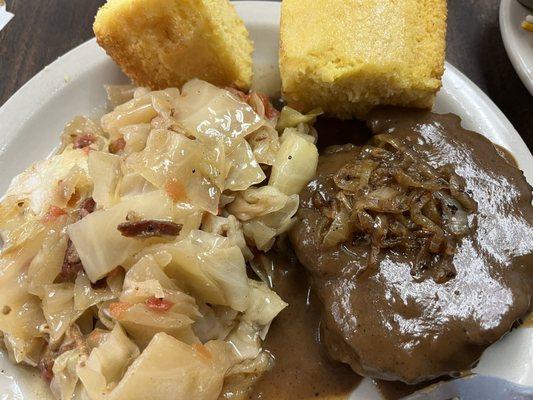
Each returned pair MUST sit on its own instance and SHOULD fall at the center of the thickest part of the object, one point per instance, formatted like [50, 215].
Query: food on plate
[527, 24]
[165, 43]
[123, 272]
[419, 245]
[360, 54]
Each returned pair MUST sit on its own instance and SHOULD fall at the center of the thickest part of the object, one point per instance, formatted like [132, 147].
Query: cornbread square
[165, 43]
[348, 56]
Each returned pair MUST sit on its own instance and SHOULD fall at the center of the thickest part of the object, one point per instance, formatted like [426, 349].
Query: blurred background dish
[518, 41]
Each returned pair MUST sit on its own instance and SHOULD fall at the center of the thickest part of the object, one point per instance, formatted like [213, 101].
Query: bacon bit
[84, 141]
[53, 213]
[117, 145]
[119, 307]
[270, 111]
[45, 365]
[155, 304]
[71, 264]
[87, 207]
[73, 199]
[148, 228]
[176, 190]
[115, 272]
[202, 351]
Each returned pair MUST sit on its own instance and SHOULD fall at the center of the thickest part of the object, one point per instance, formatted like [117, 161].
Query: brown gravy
[302, 369]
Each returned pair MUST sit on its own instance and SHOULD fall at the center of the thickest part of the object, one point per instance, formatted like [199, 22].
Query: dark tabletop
[42, 30]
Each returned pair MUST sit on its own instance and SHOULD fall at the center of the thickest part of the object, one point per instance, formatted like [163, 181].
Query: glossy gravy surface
[302, 369]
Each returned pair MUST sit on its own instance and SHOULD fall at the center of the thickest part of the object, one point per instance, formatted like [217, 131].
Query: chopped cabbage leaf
[265, 144]
[216, 322]
[27, 350]
[262, 231]
[85, 296]
[244, 170]
[229, 227]
[290, 118]
[169, 369]
[39, 184]
[142, 322]
[105, 170]
[295, 163]
[257, 202]
[183, 167]
[210, 268]
[135, 137]
[213, 114]
[65, 378]
[245, 340]
[58, 309]
[265, 304]
[83, 128]
[239, 380]
[107, 363]
[136, 111]
[46, 265]
[102, 247]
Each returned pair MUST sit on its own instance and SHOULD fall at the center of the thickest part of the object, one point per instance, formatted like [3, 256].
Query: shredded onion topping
[392, 199]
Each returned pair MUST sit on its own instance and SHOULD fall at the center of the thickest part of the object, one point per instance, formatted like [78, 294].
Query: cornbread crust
[165, 43]
[348, 56]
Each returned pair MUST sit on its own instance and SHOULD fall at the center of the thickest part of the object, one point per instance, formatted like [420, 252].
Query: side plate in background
[518, 42]
[32, 120]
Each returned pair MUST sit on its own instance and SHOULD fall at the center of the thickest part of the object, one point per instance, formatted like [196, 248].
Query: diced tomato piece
[156, 304]
[53, 213]
[84, 141]
[176, 190]
[202, 351]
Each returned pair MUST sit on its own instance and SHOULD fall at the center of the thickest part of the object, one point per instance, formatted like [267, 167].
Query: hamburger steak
[419, 246]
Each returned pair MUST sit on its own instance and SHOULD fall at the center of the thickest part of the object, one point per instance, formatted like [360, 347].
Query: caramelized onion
[392, 199]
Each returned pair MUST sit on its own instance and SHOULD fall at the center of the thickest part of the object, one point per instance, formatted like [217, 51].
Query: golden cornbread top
[333, 38]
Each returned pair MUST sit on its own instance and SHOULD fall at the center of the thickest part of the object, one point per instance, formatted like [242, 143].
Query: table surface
[43, 30]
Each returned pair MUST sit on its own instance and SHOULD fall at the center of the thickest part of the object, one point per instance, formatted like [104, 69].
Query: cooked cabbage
[27, 350]
[263, 230]
[210, 267]
[65, 378]
[295, 163]
[123, 270]
[102, 247]
[290, 118]
[257, 202]
[213, 114]
[169, 369]
[105, 171]
[58, 309]
[39, 184]
[265, 144]
[183, 167]
[244, 170]
[46, 265]
[107, 363]
[264, 304]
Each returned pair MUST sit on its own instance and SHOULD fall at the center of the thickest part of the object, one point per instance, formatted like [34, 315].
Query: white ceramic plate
[31, 121]
[518, 42]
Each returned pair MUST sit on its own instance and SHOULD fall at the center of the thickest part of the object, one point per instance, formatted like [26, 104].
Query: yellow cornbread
[165, 43]
[348, 56]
